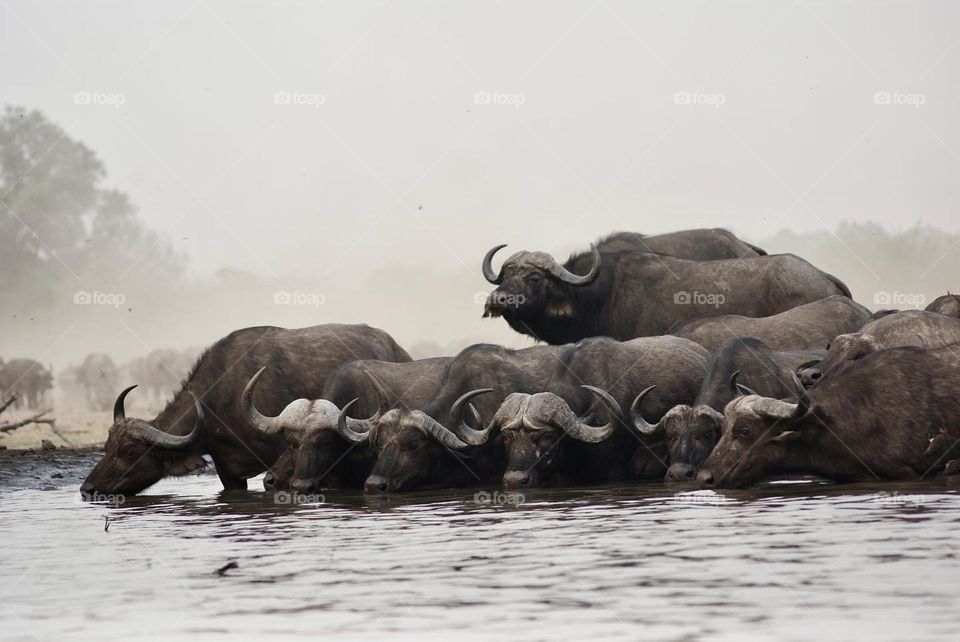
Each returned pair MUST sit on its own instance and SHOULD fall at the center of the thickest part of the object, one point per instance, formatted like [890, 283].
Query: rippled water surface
[787, 561]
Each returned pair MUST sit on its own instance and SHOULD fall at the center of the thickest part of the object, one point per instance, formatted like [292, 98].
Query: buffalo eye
[828, 345]
[741, 433]
[412, 444]
[533, 278]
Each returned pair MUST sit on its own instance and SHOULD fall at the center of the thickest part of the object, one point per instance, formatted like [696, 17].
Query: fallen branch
[36, 419]
[7, 403]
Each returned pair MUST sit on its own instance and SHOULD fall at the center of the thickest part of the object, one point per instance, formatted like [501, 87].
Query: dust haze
[293, 165]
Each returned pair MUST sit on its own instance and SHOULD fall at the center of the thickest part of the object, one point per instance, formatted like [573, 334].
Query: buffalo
[876, 419]
[699, 244]
[435, 445]
[908, 327]
[630, 294]
[321, 450]
[811, 325]
[946, 304]
[97, 376]
[28, 380]
[204, 416]
[691, 431]
[575, 431]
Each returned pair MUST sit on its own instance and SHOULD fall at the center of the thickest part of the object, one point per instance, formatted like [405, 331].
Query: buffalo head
[408, 442]
[316, 438]
[532, 426]
[532, 285]
[138, 454]
[845, 349]
[756, 435]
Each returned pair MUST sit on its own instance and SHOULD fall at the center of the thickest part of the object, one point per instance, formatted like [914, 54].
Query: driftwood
[9, 426]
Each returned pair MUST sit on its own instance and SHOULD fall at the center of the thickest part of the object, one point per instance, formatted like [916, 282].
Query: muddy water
[786, 561]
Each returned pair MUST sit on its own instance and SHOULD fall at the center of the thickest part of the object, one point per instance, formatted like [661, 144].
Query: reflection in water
[791, 560]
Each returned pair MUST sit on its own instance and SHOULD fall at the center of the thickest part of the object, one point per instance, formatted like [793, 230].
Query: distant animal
[97, 376]
[28, 380]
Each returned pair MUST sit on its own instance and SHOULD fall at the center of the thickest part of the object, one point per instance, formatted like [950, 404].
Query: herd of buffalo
[689, 356]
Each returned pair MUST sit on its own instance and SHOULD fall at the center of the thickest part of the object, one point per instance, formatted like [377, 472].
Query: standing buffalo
[877, 419]
[811, 325]
[27, 379]
[434, 444]
[564, 436]
[321, 450]
[909, 327]
[633, 294]
[691, 431]
[139, 453]
[947, 304]
[97, 376]
[699, 244]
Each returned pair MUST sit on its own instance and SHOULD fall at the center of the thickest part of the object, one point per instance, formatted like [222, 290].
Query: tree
[55, 212]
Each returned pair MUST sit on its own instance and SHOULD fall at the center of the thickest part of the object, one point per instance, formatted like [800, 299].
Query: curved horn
[582, 431]
[345, 424]
[924, 343]
[382, 396]
[740, 390]
[567, 276]
[776, 409]
[733, 382]
[642, 426]
[495, 278]
[118, 412]
[164, 439]
[440, 432]
[267, 425]
[463, 430]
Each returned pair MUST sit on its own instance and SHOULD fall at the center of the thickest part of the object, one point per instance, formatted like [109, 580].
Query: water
[787, 561]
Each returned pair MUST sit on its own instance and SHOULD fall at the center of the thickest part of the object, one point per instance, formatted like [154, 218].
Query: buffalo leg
[231, 482]
[952, 467]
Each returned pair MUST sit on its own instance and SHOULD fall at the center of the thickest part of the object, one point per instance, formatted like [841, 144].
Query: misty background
[174, 171]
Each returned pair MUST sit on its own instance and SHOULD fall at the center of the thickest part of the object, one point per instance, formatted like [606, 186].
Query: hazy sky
[532, 123]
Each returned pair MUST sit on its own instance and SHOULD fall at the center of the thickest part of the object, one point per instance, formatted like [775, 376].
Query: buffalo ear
[786, 436]
[184, 464]
[559, 309]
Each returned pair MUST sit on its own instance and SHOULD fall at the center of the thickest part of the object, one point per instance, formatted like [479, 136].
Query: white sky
[597, 144]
